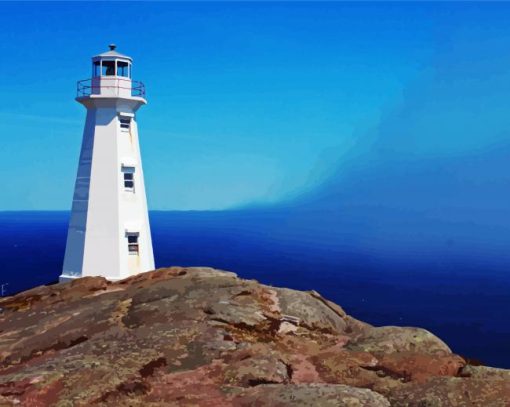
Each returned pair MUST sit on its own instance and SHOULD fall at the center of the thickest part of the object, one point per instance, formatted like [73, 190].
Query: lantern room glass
[108, 68]
[122, 69]
[96, 70]
[111, 68]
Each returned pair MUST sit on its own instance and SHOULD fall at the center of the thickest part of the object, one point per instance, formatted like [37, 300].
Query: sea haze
[461, 297]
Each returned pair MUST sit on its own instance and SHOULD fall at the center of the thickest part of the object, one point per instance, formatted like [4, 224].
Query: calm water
[466, 303]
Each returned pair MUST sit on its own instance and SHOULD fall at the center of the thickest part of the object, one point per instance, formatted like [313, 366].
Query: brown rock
[452, 392]
[414, 366]
[484, 372]
[390, 339]
[325, 395]
[203, 337]
[309, 310]
[257, 369]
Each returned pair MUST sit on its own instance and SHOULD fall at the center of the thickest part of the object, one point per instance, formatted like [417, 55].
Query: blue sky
[255, 102]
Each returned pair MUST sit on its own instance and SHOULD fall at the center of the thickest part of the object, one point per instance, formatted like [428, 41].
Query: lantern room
[111, 63]
[111, 77]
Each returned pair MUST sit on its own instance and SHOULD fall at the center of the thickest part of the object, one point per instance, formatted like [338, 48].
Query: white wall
[102, 209]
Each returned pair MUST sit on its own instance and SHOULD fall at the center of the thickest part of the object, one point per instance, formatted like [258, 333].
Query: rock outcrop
[204, 337]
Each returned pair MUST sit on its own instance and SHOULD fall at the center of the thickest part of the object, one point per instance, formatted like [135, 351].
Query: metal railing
[86, 88]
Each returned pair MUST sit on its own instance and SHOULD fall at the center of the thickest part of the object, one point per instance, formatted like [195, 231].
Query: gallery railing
[87, 87]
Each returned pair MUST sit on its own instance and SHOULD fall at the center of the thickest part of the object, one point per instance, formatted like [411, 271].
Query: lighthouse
[109, 233]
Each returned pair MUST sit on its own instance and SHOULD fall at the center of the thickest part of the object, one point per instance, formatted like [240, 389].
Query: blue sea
[464, 302]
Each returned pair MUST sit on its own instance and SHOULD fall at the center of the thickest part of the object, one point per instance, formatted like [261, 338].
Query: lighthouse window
[125, 122]
[122, 68]
[97, 68]
[129, 178]
[133, 246]
[108, 68]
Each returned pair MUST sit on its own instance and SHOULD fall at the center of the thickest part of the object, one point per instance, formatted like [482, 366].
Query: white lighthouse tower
[109, 233]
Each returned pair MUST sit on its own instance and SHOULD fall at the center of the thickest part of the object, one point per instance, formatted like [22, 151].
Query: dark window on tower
[108, 68]
[133, 246]
[125, 122]
[122, 68]
[129, 180]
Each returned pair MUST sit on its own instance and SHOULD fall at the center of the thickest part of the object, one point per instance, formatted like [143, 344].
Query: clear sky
[252, 102]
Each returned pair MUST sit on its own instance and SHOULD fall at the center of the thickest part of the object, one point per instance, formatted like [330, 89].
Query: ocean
[465, 302]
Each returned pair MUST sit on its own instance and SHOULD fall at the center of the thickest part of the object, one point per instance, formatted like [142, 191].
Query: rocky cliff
[204, 337]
